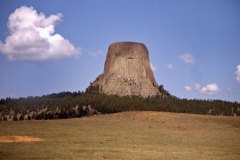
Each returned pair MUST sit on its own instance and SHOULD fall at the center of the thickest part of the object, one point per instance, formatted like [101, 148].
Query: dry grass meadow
[128, 135]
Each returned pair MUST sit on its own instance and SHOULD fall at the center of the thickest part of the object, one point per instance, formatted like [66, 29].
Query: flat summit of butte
[127, 72]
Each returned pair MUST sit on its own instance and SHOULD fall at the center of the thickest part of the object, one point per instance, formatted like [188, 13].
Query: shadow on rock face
[127, 72]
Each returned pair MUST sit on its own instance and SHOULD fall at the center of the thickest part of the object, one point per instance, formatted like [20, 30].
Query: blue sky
[194, 46]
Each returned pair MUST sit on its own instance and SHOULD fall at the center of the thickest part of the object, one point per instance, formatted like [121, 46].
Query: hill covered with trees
[77, 104]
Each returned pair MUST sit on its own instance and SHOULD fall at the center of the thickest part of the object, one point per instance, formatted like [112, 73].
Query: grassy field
[129, 135]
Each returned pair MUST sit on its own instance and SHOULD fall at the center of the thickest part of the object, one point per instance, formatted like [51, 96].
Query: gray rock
[127, 72]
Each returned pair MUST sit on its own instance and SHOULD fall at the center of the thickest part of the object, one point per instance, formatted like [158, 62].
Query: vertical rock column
[127, 72]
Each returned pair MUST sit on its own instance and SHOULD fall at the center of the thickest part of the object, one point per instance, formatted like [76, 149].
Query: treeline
[66, 101]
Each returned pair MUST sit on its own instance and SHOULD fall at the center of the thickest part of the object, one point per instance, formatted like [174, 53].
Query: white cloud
[187, 58]
[154, 68]
[32, 37]
[210, 89]
[188, 88]
[170, 66]
[238, 73]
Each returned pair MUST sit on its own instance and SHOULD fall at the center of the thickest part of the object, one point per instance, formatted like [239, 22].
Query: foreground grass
[129, 135]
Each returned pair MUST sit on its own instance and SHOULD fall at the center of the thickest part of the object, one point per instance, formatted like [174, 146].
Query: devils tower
[127, 72]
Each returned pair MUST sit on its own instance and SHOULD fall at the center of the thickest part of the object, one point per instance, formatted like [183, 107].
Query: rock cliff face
[127, 72]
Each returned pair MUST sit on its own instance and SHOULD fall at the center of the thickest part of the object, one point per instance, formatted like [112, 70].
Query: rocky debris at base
[127, 72]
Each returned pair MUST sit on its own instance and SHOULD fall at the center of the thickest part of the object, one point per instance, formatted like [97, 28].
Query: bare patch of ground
[16, 139]
[126, 135]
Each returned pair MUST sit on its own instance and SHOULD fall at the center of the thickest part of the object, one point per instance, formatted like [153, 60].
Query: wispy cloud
[154, 68]
[93, 54]
[32, 37]
[197, 86]
[170, 66]
[187, 58]
[188, 88]
[210, 89]
[238, 73]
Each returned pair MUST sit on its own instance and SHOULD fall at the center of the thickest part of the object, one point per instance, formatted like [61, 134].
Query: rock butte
[127, 72]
